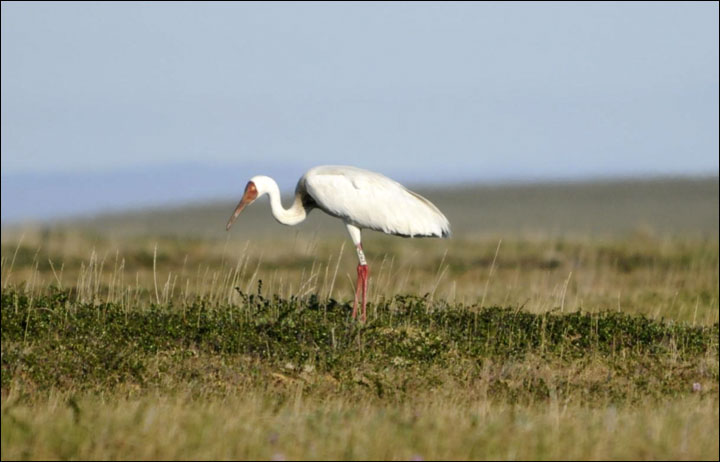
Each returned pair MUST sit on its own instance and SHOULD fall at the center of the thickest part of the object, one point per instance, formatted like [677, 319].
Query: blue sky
[426, 91]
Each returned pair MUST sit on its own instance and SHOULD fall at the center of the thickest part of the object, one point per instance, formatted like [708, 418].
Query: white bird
[362, 199]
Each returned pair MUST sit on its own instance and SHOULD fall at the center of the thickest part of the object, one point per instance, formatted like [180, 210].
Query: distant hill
[662, 206]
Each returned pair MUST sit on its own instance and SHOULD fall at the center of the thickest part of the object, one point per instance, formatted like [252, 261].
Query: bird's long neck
[292, 216]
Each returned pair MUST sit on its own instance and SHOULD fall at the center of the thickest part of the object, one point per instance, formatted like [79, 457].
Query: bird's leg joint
[361, 255]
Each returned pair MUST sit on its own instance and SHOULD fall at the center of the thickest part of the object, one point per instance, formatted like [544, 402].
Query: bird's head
[256, 187]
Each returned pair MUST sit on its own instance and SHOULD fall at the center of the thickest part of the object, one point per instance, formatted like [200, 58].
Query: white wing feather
[370, 200]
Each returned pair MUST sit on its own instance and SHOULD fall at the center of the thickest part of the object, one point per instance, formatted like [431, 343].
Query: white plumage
[370, 200]
[361, 198]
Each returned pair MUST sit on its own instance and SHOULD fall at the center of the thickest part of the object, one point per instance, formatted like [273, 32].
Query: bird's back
[371, 200]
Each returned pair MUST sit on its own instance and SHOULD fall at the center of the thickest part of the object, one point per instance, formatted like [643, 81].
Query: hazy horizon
[153, 192]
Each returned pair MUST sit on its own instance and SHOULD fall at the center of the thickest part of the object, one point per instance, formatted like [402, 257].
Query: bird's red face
[251, 193]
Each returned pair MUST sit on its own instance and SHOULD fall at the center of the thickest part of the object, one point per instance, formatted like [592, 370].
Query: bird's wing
[370, 200]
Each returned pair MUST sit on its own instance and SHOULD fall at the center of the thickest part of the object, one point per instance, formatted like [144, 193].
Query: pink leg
[358, 286]
[365, 273]
[362, 278]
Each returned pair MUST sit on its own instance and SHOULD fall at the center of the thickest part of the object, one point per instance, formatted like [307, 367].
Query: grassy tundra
[561, 321]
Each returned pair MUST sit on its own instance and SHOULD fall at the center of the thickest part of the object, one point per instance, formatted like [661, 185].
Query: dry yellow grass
[430, 427]
[670, 277]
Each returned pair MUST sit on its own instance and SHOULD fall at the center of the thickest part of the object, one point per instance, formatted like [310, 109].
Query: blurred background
[120, 106]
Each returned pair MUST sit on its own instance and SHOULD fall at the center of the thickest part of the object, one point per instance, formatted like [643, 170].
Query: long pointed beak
[241, 205]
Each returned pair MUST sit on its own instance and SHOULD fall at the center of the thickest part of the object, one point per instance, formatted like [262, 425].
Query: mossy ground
[425, 373]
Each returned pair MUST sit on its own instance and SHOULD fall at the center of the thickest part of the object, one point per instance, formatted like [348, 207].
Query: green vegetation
[542, 345]
[87, 346]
